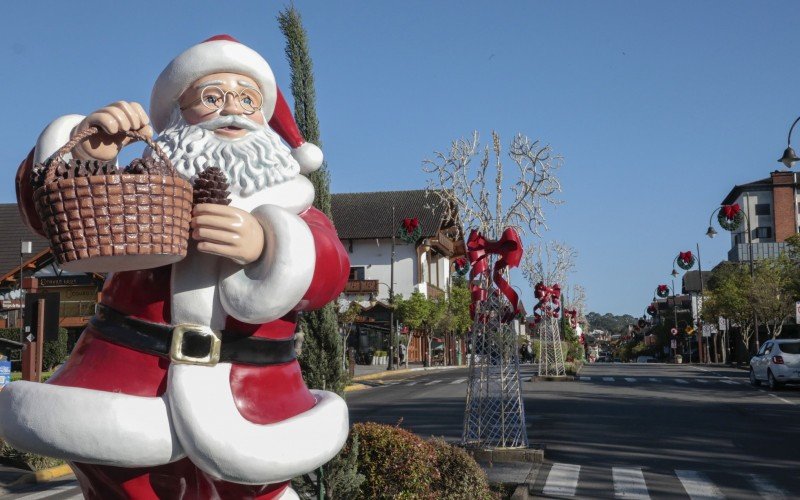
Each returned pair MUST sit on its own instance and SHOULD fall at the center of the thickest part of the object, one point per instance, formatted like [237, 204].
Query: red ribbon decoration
[730, 211]
[509, 248]
[549, 304]
[662, 288]
[410, 224]
[685, 256]
[461, 262]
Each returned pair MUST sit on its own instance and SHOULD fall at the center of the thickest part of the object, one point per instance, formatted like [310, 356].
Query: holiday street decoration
[185, 381]
[730, 217]
[685, 260]
[549, 302]
[461, 266]
[409, 231]
[651, 310]
[572, 315]
[490, 421]
[662, 291]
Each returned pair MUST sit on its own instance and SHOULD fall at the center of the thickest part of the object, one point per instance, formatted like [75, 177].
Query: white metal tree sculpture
[546, 269]
[494, 416]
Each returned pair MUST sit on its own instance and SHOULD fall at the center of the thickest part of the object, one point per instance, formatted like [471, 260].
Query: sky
[658, 108]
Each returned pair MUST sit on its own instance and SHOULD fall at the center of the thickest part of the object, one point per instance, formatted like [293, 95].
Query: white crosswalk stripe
[766, 489]
[432, 382]
[412, 383]
[459, 381]
[562, 480]
[680, 381]
[653, 379]
[586, 378]
[702, 380]
[629, 483]
[697, 485]
[630, 379]
[729, 382]
[608, 379]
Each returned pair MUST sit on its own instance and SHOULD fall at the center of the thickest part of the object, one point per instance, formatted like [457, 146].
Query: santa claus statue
[185, 383]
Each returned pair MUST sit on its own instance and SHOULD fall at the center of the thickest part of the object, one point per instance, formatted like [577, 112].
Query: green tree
[320, 360]
[773, 293]
[730, 295]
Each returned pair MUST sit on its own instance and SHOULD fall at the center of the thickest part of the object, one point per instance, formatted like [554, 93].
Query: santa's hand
[227, 232]
[113, 121]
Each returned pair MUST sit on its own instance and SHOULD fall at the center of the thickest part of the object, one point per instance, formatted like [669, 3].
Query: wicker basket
[106, 223]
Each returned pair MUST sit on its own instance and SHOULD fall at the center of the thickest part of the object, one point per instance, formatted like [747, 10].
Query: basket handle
[85, 134]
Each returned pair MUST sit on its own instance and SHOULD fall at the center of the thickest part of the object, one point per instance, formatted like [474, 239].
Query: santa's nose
[230, 105]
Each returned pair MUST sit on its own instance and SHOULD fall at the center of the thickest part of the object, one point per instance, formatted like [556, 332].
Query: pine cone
[211, 186]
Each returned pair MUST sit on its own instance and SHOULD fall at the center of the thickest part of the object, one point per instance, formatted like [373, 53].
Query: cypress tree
[321, 358]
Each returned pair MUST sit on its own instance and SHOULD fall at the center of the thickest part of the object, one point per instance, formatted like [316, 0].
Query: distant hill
[609, 322]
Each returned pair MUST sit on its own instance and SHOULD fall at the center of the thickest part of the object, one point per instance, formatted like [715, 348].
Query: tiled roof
[369, 215]
[12, 232]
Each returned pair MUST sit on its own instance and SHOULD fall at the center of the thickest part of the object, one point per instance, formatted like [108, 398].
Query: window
[790, 347]
[763, 232]
[762, 209]
[738, 238]
[356, 273]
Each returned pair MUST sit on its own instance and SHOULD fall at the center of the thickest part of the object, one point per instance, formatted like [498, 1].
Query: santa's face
[222, 94]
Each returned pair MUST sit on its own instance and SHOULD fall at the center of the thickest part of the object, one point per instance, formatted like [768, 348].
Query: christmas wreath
[730, 217]
[651, 310]
[461, 266]
[662, 291]
[686, 260]
[409, 230]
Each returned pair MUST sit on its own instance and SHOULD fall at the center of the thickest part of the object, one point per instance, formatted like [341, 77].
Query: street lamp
[391, 313]
[789, 157]
[25, 248]
[730, 218]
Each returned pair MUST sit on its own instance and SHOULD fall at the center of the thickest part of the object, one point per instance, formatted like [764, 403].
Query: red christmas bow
[461, 262]
[685, 256]
[549, 301]
[662, 288]
[730, 211]
[410, 224]
[509, 248]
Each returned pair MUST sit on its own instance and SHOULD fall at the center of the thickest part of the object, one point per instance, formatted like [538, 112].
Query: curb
[44, 475]
[387, 373]
[355, 387]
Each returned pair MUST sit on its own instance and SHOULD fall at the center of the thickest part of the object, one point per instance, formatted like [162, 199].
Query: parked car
[776, 363]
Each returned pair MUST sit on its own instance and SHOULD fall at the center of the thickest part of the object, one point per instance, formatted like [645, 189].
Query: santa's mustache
[230, 121]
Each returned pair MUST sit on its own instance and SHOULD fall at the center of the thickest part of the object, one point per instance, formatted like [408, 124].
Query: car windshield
[790, 347]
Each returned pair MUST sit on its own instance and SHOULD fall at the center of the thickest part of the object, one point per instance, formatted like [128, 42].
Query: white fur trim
[194, 290]
[224, 444]
[203, 59]
[308, 156]
[89, 426]
[288, 494]
[273, 285]
[295, 195]
[54, 136]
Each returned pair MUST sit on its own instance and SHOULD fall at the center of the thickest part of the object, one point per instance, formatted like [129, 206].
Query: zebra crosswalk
[561, 480]
[67, 491]
[671, 380]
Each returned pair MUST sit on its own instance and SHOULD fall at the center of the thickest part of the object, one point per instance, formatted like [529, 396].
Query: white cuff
[54, 136]
[272, 286]
[308, 156]
[224, 444]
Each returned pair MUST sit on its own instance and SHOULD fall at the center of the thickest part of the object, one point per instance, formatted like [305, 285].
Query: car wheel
[753, 380]
[773, 384]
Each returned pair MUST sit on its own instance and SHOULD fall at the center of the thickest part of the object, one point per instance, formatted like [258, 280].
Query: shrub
[395, 463]
[14, 457]
[55, 351]
[460, 477]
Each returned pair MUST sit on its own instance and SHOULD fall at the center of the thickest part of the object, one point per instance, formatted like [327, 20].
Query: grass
[18, 376]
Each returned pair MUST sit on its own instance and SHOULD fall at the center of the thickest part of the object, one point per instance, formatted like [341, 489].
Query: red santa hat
[225, 54]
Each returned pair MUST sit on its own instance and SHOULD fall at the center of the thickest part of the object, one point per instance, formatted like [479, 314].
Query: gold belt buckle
[203, 335]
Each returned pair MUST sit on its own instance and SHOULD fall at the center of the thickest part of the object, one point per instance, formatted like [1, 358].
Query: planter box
[380, 360]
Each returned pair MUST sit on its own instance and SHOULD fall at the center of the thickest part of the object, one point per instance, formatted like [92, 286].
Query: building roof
[691, 281]
[759, 185]
[12, 232]
[369, 215]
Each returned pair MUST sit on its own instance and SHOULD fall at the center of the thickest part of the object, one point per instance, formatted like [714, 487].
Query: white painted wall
[748, 200]
[375, 256]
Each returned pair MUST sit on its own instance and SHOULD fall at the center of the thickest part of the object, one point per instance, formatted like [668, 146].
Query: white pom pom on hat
[225, 54]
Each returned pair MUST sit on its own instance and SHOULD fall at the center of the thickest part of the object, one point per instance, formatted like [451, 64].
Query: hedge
[55, 351]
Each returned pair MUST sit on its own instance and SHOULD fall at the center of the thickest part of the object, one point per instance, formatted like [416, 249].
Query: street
[619, 431]
[627, 430]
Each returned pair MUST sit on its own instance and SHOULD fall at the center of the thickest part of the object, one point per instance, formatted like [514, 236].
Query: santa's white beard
[251, 163]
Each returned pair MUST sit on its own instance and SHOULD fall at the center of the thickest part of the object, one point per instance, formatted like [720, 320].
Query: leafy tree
[729, 295]
[611, 323]
[773, 296]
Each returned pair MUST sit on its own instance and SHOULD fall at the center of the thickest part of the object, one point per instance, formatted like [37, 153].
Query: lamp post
[25, 247]
[662, 291]
[730, 214]
[392, 348]
[789, 157]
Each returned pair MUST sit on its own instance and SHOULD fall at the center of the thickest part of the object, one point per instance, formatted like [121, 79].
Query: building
[366, 223]
[772, 206]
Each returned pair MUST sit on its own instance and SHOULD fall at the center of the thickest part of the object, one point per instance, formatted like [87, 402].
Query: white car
[776, 363]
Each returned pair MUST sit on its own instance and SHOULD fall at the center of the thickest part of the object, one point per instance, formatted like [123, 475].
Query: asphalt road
[627, 430]
[620, 431]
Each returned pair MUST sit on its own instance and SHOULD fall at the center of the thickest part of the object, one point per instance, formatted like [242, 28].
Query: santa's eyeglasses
[213, 98]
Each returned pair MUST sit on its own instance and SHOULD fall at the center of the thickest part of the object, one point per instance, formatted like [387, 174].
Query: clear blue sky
[659, 108]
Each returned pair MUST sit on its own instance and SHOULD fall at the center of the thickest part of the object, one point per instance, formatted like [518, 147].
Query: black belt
[189, 344]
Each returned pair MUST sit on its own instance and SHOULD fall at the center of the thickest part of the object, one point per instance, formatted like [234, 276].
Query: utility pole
[393, 348]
